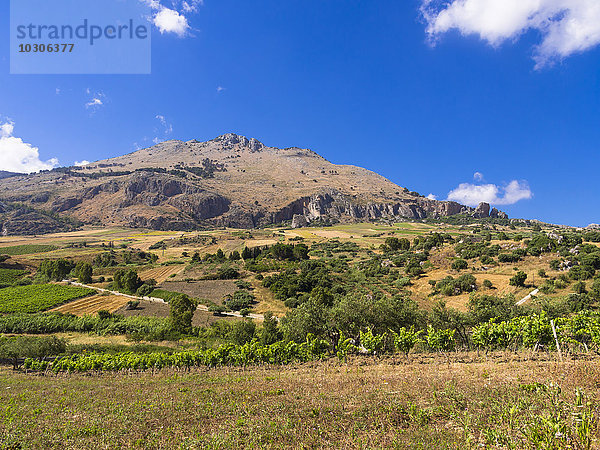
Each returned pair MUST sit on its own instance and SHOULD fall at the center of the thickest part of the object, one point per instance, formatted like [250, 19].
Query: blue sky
[425, 94]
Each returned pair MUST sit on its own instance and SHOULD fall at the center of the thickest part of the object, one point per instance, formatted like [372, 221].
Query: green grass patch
[17, 250]
[39, 297]
[164, 294]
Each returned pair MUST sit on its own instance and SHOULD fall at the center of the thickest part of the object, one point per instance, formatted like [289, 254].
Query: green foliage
[289, 283]
[18, 347]
[126, 281]
[240, 300]
[39, 297]
[252, 352]
[181, 312]
[218, 309]
[243, 331]
[459, 264]
[289, 252]
[56, 269]
[225, 272]
[309, 318]
[581, 272]
[455, 286]
[509, 257]
[373, 343]
[355, 312]
[472, 250]
[241, 284]
[164, 294]
[406, 339]
[270, 329]
[483, 308]
[11, 276]
[150, 328]
[106, 259]
[440, 340]
[519, 279]
[541, 244]
[394, 244]
[580, 287]
[345, 346]
[84, 272]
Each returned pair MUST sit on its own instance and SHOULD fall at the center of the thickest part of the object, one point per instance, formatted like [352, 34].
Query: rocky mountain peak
[232, 139]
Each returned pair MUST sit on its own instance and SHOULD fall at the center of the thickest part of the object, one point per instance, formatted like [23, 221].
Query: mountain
[229, 181]
[5, 174]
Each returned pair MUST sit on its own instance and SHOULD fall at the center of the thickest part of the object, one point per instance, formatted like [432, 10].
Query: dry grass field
[367, 403]
[91, 305]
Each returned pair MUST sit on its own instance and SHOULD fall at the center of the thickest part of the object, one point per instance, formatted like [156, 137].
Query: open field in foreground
[502, 402]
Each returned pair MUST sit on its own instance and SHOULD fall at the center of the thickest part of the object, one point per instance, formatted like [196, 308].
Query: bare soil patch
[213, 290]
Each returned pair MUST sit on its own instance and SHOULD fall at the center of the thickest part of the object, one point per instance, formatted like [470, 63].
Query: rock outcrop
[334, 205]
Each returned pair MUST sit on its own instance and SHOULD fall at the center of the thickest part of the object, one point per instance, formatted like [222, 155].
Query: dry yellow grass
[91, 305]
[161, 274]
[367, 403]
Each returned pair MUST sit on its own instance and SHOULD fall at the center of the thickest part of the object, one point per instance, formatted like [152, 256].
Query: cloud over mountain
[19, 156]
[473, 194]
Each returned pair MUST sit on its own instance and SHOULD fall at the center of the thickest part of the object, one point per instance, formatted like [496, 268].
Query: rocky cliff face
[335, 205]
[228, 181]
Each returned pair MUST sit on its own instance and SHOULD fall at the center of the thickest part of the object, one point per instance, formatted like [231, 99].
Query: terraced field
[91, 305]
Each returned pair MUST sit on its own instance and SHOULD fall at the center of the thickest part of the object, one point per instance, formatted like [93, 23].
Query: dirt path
[528, 297]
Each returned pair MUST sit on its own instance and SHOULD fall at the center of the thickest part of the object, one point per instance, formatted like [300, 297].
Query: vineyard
[251, 353]
[10, 276]
[30, 249]
[34, 298]
[575, 334]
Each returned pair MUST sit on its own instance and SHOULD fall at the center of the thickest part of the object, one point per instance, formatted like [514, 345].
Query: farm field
[9, 276]
[26, 249]
[91, 305]
[34, 298]
[161, 274]
[212, 290]
[367, 403]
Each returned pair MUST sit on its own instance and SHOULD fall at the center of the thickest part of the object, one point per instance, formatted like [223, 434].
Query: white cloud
[167, 129]
[191, 5]
[173, 19]
[170, 21]
[432, 197]
[19, 156]
[85, 162]
[220, 89]
[478, 176]
[95, 101]
[566, 27]
[473, 194]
